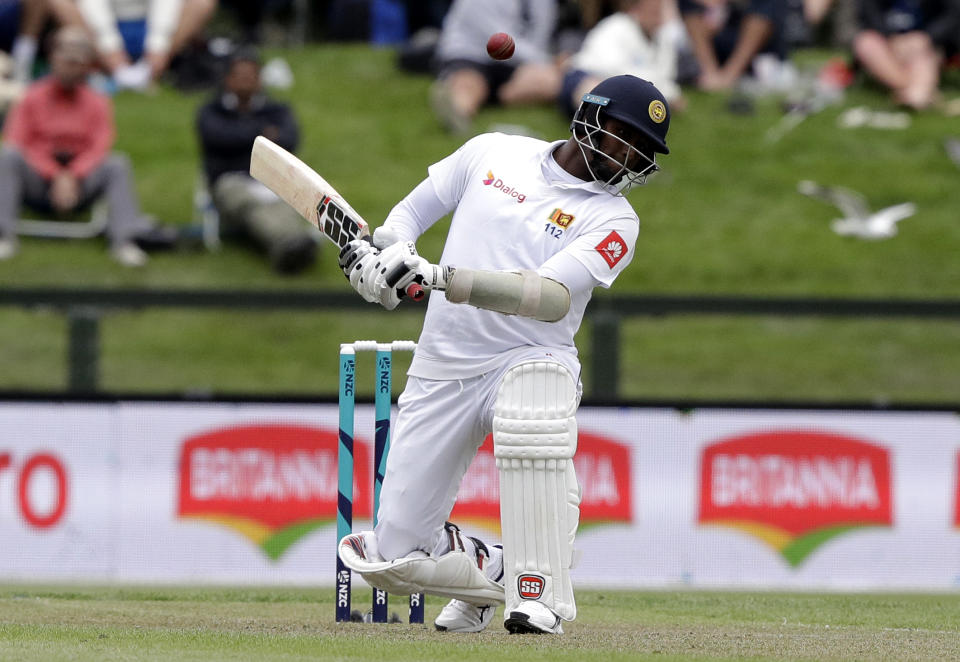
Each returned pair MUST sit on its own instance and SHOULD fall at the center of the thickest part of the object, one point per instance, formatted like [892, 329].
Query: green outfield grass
[723, 218]
[139, 624]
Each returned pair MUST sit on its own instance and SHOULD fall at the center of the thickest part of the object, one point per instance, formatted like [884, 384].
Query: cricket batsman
[536, 227]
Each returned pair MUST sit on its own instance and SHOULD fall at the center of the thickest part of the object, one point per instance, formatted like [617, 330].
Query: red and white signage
[603, 471]
[795, 489]
[246, 493]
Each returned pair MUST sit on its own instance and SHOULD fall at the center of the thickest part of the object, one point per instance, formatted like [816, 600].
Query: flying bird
[858, 220]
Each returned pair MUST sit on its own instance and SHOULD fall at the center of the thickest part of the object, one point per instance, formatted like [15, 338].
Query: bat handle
[414, 290]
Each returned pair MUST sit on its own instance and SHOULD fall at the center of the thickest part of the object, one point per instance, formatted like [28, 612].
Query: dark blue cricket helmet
[637, 102]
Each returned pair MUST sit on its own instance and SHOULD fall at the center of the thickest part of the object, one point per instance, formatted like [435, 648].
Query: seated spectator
[468, 78]
[21, 22]
[137, 39]
[727, 35]
[227, 126]
[252, 15]
[902, 45]
[56, 155]
[842, 14]
[640, 40]
[592, 11]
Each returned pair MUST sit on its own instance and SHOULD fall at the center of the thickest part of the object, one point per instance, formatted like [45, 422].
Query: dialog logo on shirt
[498, 184]
[561, 218]
[612, 248]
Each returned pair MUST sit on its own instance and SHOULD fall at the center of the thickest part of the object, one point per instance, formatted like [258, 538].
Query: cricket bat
[301, 187]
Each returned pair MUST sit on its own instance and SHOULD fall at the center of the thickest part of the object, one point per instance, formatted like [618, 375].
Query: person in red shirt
[56, 153]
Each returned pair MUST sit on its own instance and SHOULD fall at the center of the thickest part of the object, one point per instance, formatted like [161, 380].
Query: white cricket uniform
[514, 208]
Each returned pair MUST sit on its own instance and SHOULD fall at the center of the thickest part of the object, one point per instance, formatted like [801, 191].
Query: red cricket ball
[501, 46]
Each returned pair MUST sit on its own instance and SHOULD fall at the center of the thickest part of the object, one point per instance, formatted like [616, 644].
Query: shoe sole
[519, 623]
[444, 628]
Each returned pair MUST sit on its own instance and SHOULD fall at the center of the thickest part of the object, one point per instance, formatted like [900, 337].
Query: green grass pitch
[277, 624]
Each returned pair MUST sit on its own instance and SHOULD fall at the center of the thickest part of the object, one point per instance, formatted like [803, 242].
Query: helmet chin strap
[624, 179]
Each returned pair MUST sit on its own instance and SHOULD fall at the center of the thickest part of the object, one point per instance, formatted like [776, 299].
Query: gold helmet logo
[658, 112]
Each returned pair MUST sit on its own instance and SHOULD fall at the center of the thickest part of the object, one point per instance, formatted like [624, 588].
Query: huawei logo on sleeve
[612, 248]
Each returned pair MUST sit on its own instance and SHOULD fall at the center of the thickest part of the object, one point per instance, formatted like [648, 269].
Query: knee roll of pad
[535, 438]
[534, 413]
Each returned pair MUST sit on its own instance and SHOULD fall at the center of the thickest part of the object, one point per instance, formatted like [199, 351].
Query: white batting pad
[535, 438]
[453, 575]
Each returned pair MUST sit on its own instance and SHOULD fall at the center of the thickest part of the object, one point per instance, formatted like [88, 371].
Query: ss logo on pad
[530, 587]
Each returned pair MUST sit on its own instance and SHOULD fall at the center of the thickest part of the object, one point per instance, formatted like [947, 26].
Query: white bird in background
[952, 145]
[857, 219]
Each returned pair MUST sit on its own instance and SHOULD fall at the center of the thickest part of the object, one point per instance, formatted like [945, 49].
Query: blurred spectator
[137, 39]
[252, 15]
[469, 78]
[901, 44]
[642, 39]
[55, 155]
[425, 13]
[227, 126]
[592, 11]
[727, 35]
[841, 13]
[21, 22]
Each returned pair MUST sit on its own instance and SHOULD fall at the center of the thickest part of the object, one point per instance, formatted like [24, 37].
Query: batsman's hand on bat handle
[368, 269]
[413, 287]
[383, 238]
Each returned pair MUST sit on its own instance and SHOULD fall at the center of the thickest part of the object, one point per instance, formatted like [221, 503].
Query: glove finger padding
[353, 251]
[364, 276]
[359, 261]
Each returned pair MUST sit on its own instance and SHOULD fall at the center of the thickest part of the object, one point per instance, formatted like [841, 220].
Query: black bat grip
[414, 290]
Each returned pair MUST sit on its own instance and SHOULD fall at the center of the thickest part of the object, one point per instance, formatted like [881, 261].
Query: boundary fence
[84, 309]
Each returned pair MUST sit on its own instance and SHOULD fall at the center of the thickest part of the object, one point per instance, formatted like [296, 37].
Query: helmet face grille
[611, 171]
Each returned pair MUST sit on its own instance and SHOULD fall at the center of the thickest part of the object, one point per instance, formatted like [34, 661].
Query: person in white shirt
[468, 78]
[536, 226]
[137, 39]
[644, 38]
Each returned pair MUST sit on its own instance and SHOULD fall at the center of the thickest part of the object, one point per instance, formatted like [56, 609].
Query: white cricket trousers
[439, 428]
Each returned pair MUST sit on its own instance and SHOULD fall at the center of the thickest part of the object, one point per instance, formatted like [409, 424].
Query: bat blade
[313, 197]
[302, 187]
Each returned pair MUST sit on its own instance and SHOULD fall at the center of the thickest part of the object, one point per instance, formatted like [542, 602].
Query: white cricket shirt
[515, 208]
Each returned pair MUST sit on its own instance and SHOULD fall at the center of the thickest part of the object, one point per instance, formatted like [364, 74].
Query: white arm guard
[527, 293]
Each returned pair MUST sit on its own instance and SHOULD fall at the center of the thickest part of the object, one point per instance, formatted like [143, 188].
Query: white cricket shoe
[460, 616]
[8, 248]
[129, 255]
[530, 617]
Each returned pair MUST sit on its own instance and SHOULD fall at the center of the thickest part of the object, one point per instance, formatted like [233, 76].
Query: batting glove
[394, 270]
[357, 259]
